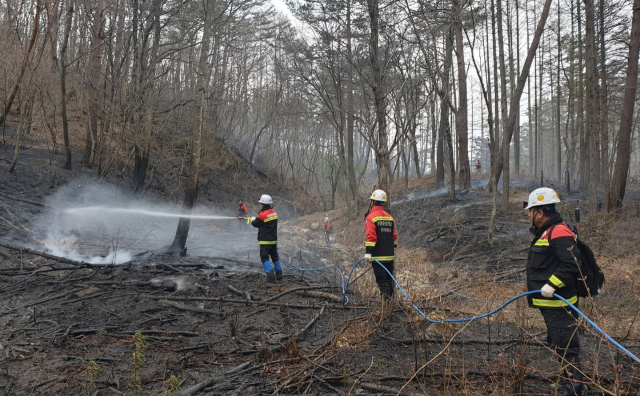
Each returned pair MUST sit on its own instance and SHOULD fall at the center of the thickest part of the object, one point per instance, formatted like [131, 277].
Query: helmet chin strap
[533, 218]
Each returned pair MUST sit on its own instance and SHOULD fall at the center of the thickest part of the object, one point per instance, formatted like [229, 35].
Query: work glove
[367, 258]
[240, 218]
[547, 291]
[252, 218]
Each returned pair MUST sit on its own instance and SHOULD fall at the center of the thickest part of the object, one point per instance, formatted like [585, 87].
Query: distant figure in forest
[267, 224]
[478, 166]
[243, 211]
[327, 230]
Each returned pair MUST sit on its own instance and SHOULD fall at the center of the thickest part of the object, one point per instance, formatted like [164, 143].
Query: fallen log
[284, 293]
[241, 293]
[327, 296]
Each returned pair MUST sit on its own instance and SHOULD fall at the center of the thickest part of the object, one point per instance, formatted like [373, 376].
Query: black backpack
[592, 279]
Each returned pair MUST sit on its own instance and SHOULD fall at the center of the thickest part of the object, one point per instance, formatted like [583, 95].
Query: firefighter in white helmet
[381, 241]
[267, 224]
[552, 268]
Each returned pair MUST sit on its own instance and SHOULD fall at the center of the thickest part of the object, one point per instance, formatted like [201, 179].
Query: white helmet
[326, 219]
[378, 195]
[542, 196]
[265, 199]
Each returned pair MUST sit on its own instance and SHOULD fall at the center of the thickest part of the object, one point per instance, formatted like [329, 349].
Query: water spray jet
[143, 212]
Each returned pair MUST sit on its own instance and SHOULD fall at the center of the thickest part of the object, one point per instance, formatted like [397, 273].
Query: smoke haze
[100, 223]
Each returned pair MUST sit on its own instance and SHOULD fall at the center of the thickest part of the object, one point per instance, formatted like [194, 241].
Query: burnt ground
[215, 324]
[58, 316]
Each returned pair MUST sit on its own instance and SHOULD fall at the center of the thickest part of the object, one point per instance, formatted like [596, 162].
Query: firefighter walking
[327, 231]
[267, 224]
[381, 241]
[552, 268]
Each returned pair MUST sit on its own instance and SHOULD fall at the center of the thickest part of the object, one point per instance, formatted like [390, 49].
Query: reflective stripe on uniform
[383, 258]
[386, 218]
[541, 242]
[369, 244]
[553, 303]
[268, 219]
[267, 242]
[556, 281]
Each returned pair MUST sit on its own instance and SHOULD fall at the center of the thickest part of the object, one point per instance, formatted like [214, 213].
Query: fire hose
[471, 318]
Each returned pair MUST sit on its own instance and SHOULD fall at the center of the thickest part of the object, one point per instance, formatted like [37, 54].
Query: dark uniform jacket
[553, 262]
[381, 234]
[267, 224]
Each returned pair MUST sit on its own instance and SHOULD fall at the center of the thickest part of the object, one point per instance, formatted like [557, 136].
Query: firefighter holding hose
[381, 241]
[267, 224]
[242, 214]
[552, 268]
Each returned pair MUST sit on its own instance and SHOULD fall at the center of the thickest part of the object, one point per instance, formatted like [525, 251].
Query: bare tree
[462, 126]
[503, 109]
[619, 180]
[604, 105]
[142, 151]
[379, 97]
[25, 63]
[180, 239]
[94, 79]
[63, 85]
[592, 104]
[509, 124]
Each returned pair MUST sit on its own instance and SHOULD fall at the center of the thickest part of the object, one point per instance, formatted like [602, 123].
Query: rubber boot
[268, 269]
[278, 270]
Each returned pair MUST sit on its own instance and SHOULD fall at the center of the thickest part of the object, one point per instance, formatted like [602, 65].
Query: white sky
[281, 6]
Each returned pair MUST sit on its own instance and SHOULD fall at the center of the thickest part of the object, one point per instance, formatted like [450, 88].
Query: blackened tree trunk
[503, 110]
[558, 99]
[462, 126]
[142, 152]
[604, 106]
[63, 86]
[621, 169]
[94, 84]
[353, 184]
[180, 239]
[516, 133]
[583, 158]
[445, 129]
[592, 104]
